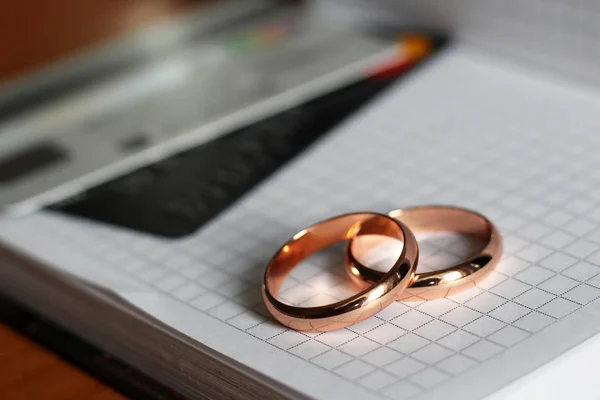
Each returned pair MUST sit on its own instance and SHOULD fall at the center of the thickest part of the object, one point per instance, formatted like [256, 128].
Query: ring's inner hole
[319, 280]
[437, 250]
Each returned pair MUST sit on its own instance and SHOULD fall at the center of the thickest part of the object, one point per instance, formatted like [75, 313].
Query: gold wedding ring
[381, 292]
[446, 281]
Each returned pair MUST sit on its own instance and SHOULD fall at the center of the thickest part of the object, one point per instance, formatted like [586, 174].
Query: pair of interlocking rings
[400, 282]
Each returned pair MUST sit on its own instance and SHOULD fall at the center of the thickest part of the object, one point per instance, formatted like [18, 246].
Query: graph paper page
[464, 130]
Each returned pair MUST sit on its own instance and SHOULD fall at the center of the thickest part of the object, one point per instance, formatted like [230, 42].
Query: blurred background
[36, 36]
[89, 92]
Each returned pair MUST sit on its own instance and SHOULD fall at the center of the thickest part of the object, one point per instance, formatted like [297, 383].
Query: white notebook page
[464, 131]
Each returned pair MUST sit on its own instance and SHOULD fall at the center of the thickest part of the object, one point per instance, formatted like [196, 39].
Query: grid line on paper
[550, 223]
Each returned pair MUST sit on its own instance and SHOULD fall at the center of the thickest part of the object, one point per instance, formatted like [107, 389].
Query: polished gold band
[368, 302]
[447, 281]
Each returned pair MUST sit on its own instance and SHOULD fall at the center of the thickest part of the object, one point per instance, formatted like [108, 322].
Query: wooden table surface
[30, 372]
[37, 34]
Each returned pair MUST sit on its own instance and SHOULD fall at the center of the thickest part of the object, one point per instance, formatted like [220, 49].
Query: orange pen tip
[415, 46]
